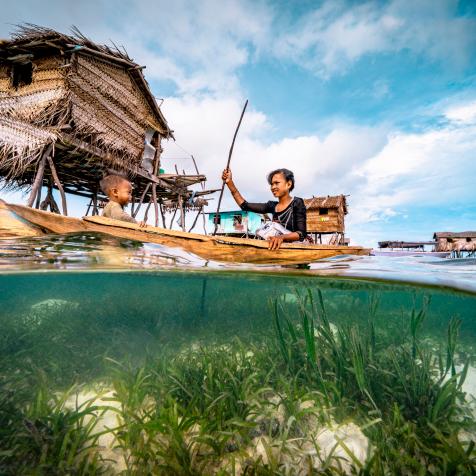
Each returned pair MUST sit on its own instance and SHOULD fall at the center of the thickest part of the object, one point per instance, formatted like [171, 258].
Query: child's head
[117, 188]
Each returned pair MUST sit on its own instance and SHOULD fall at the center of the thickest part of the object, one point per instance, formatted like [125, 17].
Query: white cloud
[331, 38]
[465, 113]
[197, 45]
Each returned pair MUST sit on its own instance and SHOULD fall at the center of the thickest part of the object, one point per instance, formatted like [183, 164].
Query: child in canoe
[288, 211]
[119, 191]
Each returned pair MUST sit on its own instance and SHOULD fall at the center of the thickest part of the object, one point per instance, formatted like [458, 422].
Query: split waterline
[198, 368]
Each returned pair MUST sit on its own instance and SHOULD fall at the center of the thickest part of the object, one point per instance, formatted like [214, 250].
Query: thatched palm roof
[336, 201]
[454, 235]
[33, 38]
[90, 102]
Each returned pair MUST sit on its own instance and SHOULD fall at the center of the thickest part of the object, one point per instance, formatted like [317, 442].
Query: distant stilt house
[238, 223]
[457, 242]
[407, 245]
[325, 219]
[72, 111]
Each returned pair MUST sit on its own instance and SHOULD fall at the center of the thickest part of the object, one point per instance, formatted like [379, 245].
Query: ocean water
[118, 357]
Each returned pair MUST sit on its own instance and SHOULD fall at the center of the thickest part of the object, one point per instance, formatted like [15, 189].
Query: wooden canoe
[217, 248]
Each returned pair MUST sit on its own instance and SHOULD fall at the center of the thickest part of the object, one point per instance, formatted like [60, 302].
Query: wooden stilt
[173, 217]
[204, 223]
[49, 201]
[89, 206]
[141, 201]
[146, 214]
[58, 184]
[95, 203]
[196, 219]
[182, 213]
[163, 215]
[158, 150]
[39, 176]
[38, 198]
[156, 206]
[133, 204]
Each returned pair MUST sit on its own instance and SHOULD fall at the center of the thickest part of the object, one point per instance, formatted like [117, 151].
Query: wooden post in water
[163, 215]
[39, 176]
[95, 203]
[133, 204]
[38, 198]
[196, 219]
[144, 193]
[182, 212]
[146, 213]
[58, 184]
[158, 150]
[173, 217]
[156, 206]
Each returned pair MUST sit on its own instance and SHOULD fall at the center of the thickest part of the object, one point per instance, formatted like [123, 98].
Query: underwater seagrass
[309, 392]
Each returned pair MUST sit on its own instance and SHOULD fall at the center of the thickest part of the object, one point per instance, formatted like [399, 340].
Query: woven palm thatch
[326, 214]
[90, 100]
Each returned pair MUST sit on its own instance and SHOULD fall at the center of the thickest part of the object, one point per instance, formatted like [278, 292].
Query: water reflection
[100, 251]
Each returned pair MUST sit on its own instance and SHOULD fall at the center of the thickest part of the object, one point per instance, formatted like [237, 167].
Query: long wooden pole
[227, 166]
[39, 176]
[58, 184]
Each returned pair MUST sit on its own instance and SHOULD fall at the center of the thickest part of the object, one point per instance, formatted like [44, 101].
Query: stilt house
[325, 219]
[71, 111]
[458, 242]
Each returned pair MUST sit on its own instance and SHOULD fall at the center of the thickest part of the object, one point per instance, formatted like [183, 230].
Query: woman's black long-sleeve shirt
[293, 217]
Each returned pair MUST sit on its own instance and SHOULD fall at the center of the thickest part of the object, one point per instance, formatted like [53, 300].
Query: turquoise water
[204, 368]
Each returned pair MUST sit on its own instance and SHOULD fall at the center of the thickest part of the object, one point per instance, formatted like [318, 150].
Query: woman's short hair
[288, 176]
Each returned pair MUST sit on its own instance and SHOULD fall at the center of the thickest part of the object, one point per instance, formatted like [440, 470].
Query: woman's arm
[227, 178]
[276, 241]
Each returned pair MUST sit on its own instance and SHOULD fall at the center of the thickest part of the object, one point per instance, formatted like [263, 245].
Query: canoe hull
[217, 248]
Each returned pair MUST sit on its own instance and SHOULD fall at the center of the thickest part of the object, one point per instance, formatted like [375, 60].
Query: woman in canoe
[288, 211]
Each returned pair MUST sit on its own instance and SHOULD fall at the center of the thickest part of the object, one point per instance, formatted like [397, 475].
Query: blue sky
[372, 99]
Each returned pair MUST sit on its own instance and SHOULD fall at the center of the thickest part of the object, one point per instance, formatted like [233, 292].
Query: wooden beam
[58, 184]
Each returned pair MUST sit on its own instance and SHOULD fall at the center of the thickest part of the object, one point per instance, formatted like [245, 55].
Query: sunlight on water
[158, 362]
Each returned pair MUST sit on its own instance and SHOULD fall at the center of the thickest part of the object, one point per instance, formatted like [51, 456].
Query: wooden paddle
[227, 167]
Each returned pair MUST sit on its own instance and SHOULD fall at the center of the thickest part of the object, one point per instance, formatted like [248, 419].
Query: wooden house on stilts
[459, 243]
[325, 219]
[72, 111]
